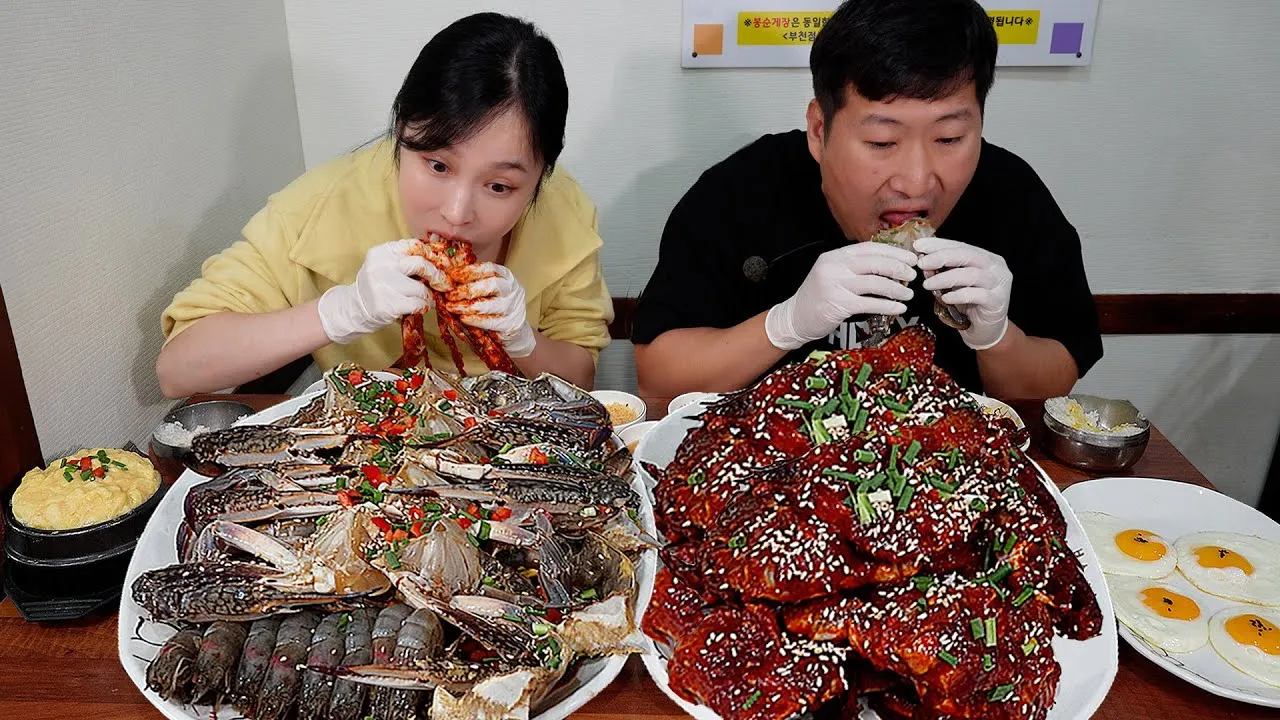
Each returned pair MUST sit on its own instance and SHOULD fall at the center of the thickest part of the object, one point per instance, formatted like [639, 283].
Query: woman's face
[474, 190]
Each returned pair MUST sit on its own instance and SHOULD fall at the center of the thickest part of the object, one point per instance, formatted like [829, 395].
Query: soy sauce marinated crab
[862, 502]
[404, 547]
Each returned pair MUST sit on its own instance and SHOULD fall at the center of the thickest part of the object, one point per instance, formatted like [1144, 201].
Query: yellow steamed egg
[1248, 638]
[1161, 614]
[1124, 548]
[1232, 565]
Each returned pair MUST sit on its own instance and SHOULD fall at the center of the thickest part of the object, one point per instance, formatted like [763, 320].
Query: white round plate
[1173, 509]
[1088, 666]
[997, 407]
[156, 548]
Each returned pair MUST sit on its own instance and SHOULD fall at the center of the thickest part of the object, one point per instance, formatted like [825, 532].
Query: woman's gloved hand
[388, 286]
[489, 297]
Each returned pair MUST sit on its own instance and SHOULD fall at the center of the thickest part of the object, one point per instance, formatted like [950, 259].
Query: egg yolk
[1170, 604]
[1253, 630]
[1140, 545]
[1212, 556]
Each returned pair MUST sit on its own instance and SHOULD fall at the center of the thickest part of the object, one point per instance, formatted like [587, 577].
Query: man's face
[885, 161]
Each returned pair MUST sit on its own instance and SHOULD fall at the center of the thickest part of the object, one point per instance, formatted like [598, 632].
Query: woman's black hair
[473, 71]
[921, 49]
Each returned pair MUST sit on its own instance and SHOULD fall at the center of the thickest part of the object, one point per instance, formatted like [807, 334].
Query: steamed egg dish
[1159, 613]
[1127, 549]
[1231, 565]
[1248, 638]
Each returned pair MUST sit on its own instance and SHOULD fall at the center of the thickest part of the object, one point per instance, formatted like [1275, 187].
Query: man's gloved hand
[489, 297]
[851, 280]
[977, 282]
[387, 287]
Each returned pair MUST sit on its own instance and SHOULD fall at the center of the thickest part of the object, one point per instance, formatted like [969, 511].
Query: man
[762, 261]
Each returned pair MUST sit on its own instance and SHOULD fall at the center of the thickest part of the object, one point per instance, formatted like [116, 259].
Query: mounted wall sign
[779, 33]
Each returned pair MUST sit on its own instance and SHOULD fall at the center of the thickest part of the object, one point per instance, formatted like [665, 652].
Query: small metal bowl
[1098, 452]
[212, 414]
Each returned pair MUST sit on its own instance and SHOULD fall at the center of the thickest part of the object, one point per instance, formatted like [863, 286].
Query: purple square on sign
[1066, 38]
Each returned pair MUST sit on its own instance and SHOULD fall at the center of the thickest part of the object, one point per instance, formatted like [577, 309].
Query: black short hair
[474, 70]
[921, 49]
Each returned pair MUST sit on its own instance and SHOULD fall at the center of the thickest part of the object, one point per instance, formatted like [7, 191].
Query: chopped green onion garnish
[815, 383]
[893, 458]
[864, 456]
[1030, 646]
[483, 532]
[860, 422]
[912, 451]
[589, 511]
[696, 477]
[1001, 693]
[948, 658]
[989, 626]
[943, 486]
[1025, 595]
[588, 594]
[904, 378]
[541, 628]
[922, 582]
[787, 402]
[846, 476]
[1009, 542]
[344, 621]
[864, 373]
[922, 604]
[904, 500]
[894, 404]
[866, 513]
[988, 663]
[978, 504]
[975, 627]
[751, 700]
[475, 541]
[1055, 542]
[393, 560]
[737, 541]
[340, 483]
[820, 434]
[876, 481]
[486, 580]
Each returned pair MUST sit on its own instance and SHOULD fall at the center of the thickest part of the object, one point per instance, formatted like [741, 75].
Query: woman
[476, 130]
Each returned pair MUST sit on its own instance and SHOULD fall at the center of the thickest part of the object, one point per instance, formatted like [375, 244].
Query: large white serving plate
[157, 548]
[1088, 666]
[1173, 509]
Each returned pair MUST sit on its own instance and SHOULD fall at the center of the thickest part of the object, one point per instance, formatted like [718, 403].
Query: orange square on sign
[708, 39]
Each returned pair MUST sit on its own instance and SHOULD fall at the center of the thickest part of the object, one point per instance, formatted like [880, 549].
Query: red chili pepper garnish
[397, 535]
[416, 529]
[537, 457]
[415, 382]
[416, 513]
[355, 377]
[473, 510]
[99, 472]
[344, 499]
[465, 522]
[85, 463]
[398, 399]
[470, 423]
[402, 386]
[495, 413]
[554, 615]
[382, 524]
[451, 394]
[501, 513]
[363, 428]
[372, 473]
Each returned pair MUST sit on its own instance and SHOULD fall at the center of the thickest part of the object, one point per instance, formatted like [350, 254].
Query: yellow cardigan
[314, 234]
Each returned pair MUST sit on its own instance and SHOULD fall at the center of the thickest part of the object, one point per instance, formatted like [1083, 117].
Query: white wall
[136, 138]
[1165, 154]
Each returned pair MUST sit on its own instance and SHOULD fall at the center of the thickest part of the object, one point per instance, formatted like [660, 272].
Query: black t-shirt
[765, 202]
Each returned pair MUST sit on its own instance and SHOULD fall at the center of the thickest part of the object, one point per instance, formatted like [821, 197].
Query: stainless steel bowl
[212, 414]
[1098, 452]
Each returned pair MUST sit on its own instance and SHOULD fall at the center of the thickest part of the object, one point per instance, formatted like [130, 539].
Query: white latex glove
[489, 297]
[978, 283]
[852, 280]
[386, 288]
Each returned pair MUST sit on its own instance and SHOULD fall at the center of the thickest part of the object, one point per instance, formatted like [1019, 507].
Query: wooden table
[72, 671]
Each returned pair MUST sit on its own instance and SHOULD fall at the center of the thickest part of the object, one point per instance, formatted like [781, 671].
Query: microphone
[756, 268]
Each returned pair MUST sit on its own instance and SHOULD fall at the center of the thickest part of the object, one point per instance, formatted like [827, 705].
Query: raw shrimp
[422, 637]
[253, 664]
[279, 690]
[169, 675]
[385, 630]
[348, 698]
[216, 662]
[326, 649]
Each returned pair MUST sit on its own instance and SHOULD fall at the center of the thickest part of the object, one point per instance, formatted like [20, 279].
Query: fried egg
[1159, 613]
[1248, 638]
[1231, 565]
[1127, 549]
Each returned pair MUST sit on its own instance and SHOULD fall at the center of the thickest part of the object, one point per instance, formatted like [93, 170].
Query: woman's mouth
[897, 217]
